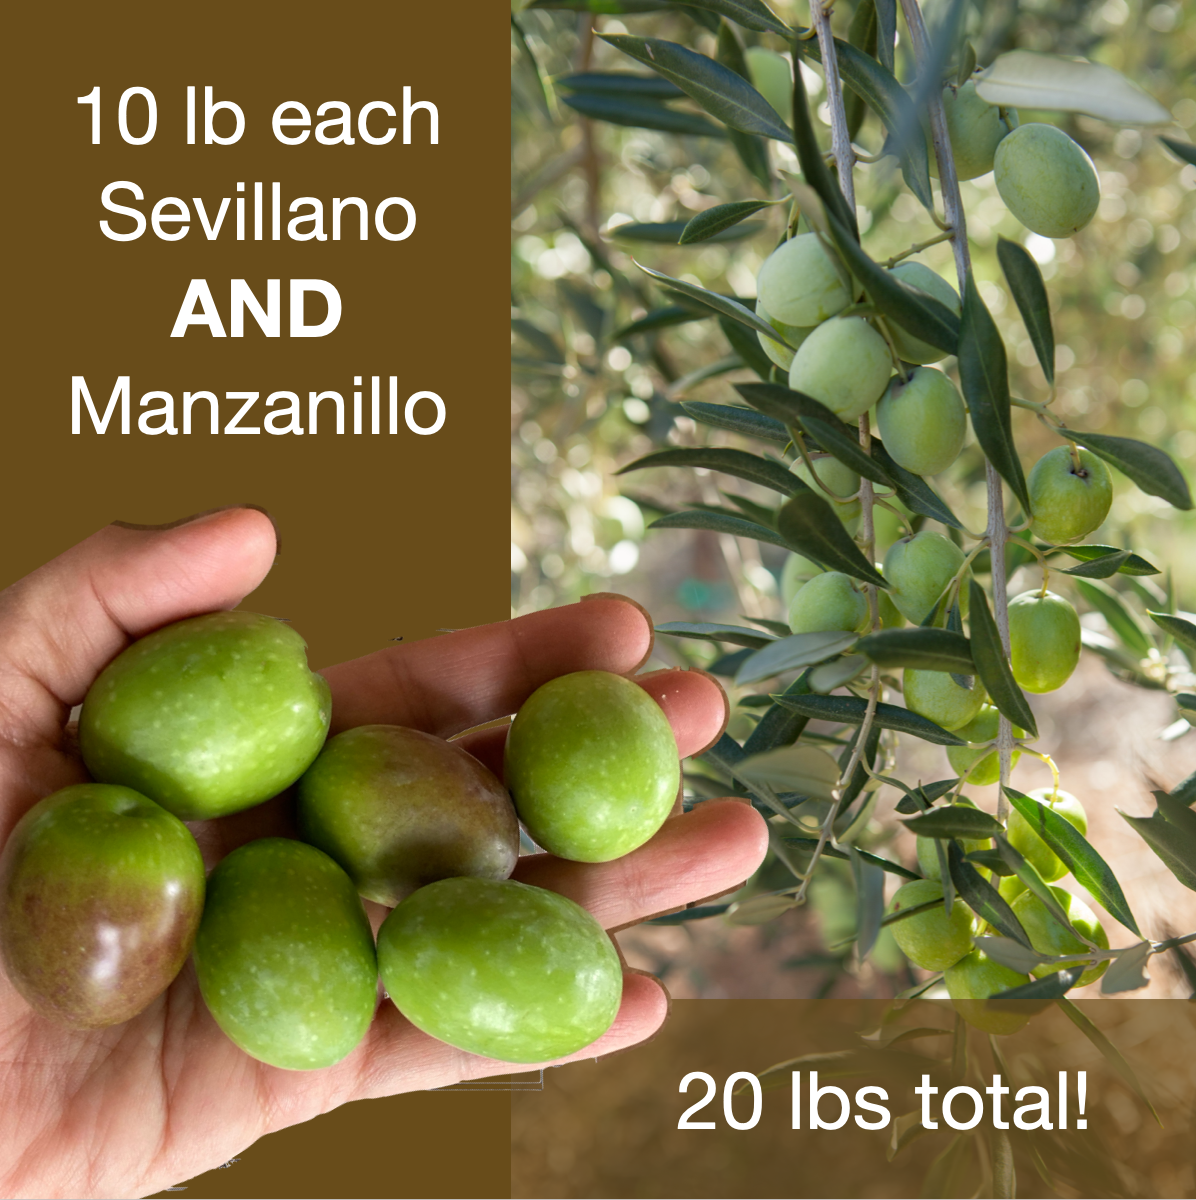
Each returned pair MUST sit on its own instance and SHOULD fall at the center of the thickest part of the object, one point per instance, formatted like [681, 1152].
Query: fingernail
[643, 612]
[206, 515]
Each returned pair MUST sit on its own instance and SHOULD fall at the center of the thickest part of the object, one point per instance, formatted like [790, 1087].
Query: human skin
[132, 1109]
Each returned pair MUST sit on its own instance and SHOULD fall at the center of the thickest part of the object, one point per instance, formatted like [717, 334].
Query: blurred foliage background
[588, 397]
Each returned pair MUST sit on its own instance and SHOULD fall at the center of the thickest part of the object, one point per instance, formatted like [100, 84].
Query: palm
[133, 1108]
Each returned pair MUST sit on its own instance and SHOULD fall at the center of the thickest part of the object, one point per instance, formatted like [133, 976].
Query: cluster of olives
[102, 888]
[938, 940]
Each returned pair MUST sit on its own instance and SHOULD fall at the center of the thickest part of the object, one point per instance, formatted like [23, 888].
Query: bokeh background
[587, 399]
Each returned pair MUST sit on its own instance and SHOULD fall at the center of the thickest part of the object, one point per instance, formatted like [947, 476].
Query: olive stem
[918, 247]
[841, 147]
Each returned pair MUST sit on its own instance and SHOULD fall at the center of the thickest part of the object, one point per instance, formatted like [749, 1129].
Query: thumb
[63, 623]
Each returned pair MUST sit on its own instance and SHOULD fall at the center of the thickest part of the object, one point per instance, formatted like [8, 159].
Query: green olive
[1046, 180]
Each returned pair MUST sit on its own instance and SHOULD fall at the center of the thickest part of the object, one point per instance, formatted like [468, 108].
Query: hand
[137, 1107]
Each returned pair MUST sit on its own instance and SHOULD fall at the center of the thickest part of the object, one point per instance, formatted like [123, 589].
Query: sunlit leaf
[806, 770]
[1127, 972]
[751, 14]
[1091, 871]
[923, 649]
[870, 901]
[735, 635]
[716, 220]
[1170, 831]
[981, 897]
[790, 653]
[1104, 567]
[1025, 79]
[1152, 469]
[1180, 628]
[955, 820]
[1122, 621]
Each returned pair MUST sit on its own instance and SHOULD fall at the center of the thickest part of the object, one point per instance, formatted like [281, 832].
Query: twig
[997, 531]
[840, 138]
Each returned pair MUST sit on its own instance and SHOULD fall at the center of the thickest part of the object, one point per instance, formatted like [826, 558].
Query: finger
[694, 703]
[398, 1057]
[709, 850]
[67, 620]
[446, 684]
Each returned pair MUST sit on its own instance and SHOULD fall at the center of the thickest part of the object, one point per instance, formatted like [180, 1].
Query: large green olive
[1046, 180]
[937, 697]
[932, 939]
[976, 977]
[981, 767]
[592, 765]
[502, 969]
[794, 335]
[922, 421]
[802, 281]
[398, 808]
[918, 569]
[835, 477]
[844, 364]
[207, 716]
[284, 955]
[827, 602]
[1068, 501]
[1044, 640]
[100, 896]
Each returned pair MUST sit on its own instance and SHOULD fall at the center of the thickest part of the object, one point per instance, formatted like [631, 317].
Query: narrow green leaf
[870, 901]
[658, 319]
[719, 218]
[603, 6]
[1185, 790]
[861, 33]
[989, 860]
[1111, 1054]
[1122, 621]
[984, 375]
[991, 664]
[788, 406]
[744, 421]
[1100, 568]
[1171, 833]
[850, 710]
[809, 524]
[915, 311]
[790, 653]
[1134, 565]
[1184, 151]
[919, 799]
[1030, 295]
[886, 32]
[779, 726]
[955, 821]
[1049, 987]
[981, 897]
[751, 14]
[752, 150]
[1028, 874]
[641, 114]
[620, 83]
[734, 635]
[720, 523]
[914, 492]
[1127, 972]
[531, 60]
[720, 304]
[764, 471]
[668, 233]
[698, 913]
[716, 88]
[760, 513]
[1149, 467]
[1009, 953]
[807, 770]
[1180, 628]
[924, 649]
[1090, 870]
[889, 100]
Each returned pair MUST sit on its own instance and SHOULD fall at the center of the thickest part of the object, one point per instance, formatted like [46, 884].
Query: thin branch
[840, 138]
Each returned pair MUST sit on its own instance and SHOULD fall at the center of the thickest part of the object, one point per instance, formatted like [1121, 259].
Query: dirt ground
[1103, 735]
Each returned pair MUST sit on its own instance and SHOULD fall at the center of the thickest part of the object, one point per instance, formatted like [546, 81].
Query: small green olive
[1044, 640]
[845, 364]
[932, 939]
[1068, 501]
[802, 281]
[1046, 180]
[828, 601]
[922, 421]
[937, 697]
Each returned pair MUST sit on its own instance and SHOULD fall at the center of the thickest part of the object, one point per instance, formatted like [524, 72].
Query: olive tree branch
[997, 531]
[820, 17]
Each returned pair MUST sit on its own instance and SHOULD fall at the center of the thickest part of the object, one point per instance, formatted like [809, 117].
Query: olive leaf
[735, 635]
[779, 726]
[870, 901]
[1049, 987]
[991, 664]
[658, 319]
[720, 522]
[913, 491]
[807, 770]
[620, 83]
[744, 421]
[850, 710]
[955, 820]
[751, 14]
[765, 471]
[641, 114]
[809, 524]
[1127, 972]
[1025, 79]
[981, 897]
[1030, 295]
[1135, 564]
[789, 653]
[1184, 151]
[1170, 831]
[716, 88]
[1152, 469]
[668, 233]
[1180, 628]
[1076, 852]
[923, 649]
[1124, 623]
[1103, 567]
[718, 219]
[1026, 871]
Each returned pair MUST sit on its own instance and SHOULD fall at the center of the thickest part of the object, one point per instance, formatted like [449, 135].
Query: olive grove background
[589, 397]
